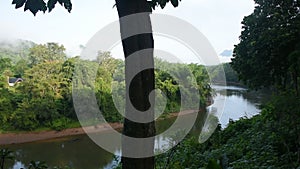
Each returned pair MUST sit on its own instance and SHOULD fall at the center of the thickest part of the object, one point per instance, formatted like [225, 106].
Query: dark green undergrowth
[269, 140]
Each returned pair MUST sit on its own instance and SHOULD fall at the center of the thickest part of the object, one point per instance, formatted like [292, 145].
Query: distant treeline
[223, 74]
[43, 100]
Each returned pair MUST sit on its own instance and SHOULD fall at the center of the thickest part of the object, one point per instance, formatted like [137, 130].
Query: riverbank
[17, 138]
[267, 140]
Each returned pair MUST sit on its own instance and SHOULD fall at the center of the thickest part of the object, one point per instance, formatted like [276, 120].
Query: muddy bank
[16, 138]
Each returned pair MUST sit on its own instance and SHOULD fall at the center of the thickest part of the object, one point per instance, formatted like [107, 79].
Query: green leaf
[18, 3]
[39, 5]
[163, 4]
[68, 5]
[174, 3]
[51, 4]
[61, 2]
[152, 4]
[35, 5]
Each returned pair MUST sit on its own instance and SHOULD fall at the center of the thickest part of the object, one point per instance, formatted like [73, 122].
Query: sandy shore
[15, 138]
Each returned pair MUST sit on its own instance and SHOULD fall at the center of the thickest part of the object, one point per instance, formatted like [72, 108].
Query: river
[234, 102]
[80, 152]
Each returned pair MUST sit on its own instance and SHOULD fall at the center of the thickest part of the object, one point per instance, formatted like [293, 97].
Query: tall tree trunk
[141, 85]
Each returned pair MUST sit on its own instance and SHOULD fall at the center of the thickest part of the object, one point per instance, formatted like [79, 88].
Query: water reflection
[75, 152]
[233, 102]
[80, 152]
[230, 102]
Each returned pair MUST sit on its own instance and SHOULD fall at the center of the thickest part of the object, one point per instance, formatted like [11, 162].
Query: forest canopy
[269, 50]
[44, 98]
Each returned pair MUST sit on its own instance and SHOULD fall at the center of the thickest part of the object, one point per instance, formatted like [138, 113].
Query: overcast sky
[218, 20]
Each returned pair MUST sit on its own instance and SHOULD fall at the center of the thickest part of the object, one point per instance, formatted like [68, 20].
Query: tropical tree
[5, 154]
[48, 52]
[268, 52]
[143, 84]
[4, 64]
[6, 107]
[48, 90]
[20, 67]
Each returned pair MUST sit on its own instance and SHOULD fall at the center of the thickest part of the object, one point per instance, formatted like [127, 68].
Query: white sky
[218, 20]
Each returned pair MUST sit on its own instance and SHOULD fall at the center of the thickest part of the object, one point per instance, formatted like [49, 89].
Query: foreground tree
[269, 50]
[143, 83]
[5, 154]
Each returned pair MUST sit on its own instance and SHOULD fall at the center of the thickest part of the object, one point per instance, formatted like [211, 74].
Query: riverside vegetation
[268, 55]
[43, 100]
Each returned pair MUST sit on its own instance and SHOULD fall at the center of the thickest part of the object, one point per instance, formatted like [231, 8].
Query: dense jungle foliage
[44, 98]
[267, 56]
[268, 140]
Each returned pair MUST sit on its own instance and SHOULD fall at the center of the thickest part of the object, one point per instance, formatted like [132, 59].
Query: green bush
[60, 124]
[268, 140]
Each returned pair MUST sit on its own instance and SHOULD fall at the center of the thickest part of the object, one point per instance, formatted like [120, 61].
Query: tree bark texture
[142, 84]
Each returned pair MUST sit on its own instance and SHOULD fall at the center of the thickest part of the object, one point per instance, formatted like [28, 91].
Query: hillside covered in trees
[44, 98]
[216, 73]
